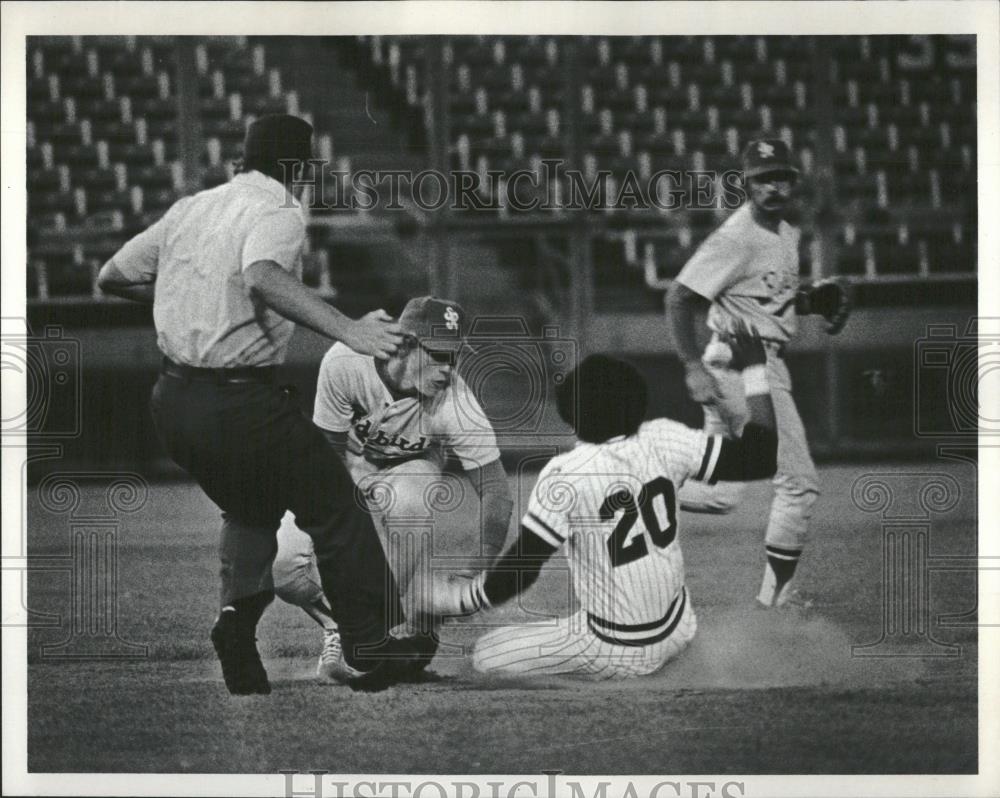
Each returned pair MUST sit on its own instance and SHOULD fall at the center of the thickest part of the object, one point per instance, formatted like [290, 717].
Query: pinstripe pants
[568, 645]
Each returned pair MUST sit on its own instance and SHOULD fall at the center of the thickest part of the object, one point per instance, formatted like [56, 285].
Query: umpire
[222, 269]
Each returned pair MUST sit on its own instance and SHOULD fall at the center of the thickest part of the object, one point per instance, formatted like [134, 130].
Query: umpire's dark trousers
[256, 455]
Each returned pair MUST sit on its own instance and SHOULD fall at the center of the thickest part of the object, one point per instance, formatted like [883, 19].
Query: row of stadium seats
[501, 100]
[903, 107]
[102, 127]
[888, 55]
[102, 144]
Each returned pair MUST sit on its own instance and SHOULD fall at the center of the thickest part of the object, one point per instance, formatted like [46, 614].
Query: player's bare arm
[493, 489]
[684, 307]
[374, 333]
[513, 573]
[111, 280]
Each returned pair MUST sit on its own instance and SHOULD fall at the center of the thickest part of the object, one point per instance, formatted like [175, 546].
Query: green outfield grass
[757, 692]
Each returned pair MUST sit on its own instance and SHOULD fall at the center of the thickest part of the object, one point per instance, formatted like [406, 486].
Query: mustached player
[747, 272]
[395, 421]
[611, 505]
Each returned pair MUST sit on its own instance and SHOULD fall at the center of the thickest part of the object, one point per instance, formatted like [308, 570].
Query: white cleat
[787, 598]
[331, 666]
[774, 594]
[792, 598]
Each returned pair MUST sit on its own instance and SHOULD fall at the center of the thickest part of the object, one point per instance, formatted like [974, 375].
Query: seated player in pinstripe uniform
[612, 503]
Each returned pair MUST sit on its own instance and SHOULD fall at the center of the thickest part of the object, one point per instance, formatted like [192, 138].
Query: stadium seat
[103, 111]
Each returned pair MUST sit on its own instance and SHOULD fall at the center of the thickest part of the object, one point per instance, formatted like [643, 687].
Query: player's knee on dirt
[495, 652]
[480, 661]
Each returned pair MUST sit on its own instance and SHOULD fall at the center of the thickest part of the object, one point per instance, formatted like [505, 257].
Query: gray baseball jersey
[750, 274]
[386, 431]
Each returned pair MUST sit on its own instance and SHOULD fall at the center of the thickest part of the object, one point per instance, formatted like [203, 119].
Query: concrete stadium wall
[857, 393]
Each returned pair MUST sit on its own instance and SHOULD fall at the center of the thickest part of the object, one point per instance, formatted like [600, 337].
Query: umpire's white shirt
[204, 313]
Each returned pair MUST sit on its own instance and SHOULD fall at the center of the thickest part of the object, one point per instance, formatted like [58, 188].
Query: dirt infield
[757, 692]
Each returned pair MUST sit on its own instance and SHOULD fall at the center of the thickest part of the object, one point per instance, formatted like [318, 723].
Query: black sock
[783, 563]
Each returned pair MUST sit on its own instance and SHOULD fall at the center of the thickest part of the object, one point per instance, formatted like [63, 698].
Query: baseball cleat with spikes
[331, 666]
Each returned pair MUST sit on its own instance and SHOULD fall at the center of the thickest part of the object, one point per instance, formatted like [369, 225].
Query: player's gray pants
[796, 485]
[568, 645]
[418, 514]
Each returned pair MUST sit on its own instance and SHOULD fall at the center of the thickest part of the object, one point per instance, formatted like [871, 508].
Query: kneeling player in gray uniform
[395, 422]
[612, 502]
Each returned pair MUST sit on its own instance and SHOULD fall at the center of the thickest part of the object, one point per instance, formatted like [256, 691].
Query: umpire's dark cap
[439, 323]
[278, 137]
[768, 157]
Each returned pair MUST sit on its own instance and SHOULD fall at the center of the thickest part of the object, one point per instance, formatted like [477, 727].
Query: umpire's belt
[264, 375]
[640, 634]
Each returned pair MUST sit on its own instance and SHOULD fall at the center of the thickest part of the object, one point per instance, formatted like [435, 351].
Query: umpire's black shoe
[396, 661]
[237, 650]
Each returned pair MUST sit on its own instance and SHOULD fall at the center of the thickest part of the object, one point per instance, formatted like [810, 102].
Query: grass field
[757, 692]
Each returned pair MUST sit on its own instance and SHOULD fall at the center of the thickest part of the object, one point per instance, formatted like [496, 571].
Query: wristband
[474, 598]
[755, 380]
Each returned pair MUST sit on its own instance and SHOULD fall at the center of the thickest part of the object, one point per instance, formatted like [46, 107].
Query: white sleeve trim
[710, 459]
[543, 530]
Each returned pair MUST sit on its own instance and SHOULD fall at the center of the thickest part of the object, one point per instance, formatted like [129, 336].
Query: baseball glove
[827, 298]
[746, 346]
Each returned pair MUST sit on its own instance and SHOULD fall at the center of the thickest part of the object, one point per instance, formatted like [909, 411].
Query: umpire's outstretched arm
[372, 334]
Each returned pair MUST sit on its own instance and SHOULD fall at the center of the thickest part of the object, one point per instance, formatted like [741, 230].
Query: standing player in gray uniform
[395, 422]
[747, 272]
[611, 504]
[222, 270]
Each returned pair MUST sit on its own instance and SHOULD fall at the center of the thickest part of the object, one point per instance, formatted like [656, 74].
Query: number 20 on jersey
[624, 545]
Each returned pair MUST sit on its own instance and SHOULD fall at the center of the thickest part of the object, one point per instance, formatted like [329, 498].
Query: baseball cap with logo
[767, 156]
[439, 324]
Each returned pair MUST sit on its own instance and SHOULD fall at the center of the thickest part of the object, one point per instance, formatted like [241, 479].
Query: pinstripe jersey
[614, 507]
